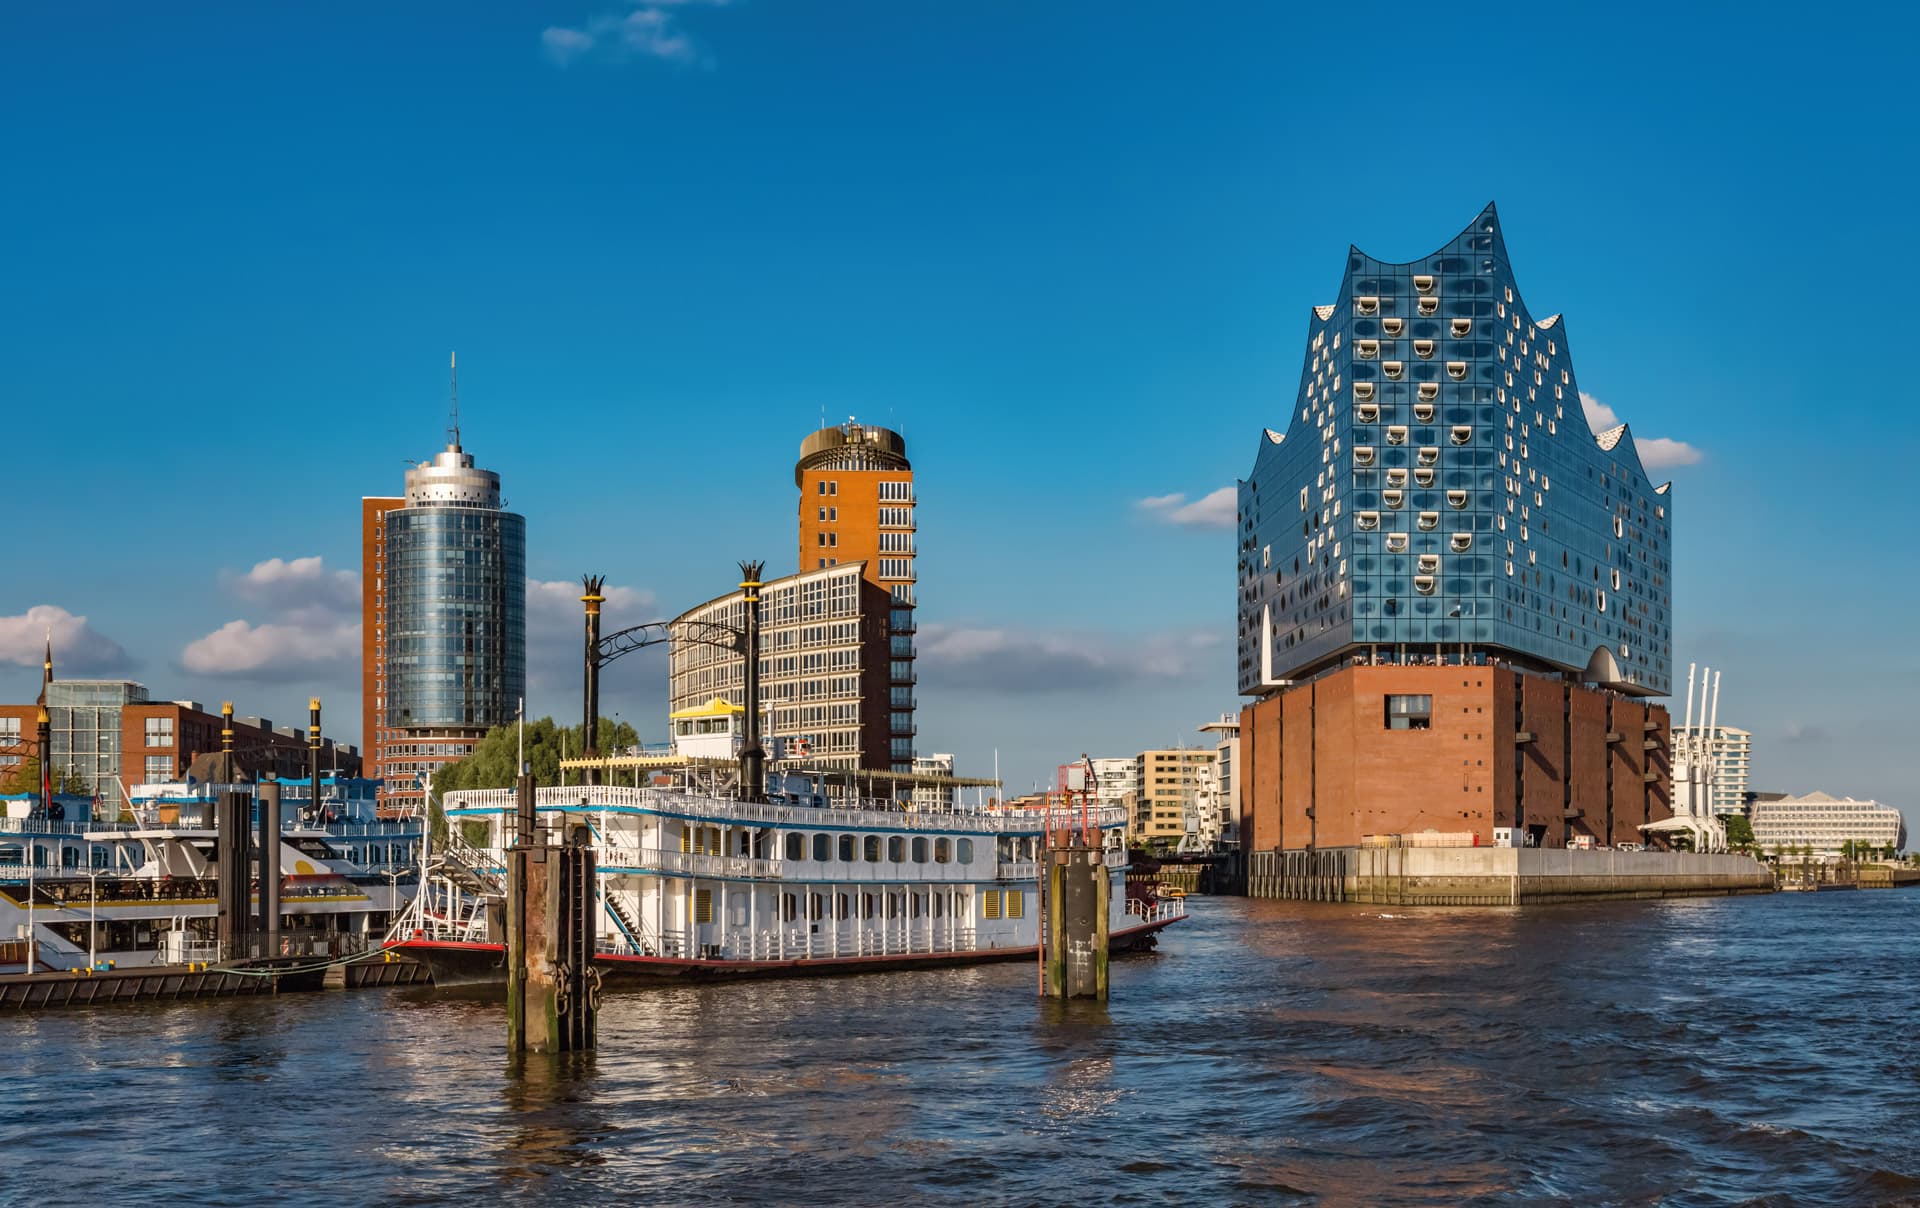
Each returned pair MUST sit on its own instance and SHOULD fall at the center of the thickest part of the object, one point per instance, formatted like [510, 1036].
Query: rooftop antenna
[453, 420]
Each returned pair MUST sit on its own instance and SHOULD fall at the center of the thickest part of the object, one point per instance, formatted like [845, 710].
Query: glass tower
[455, 601]
[1437, 492]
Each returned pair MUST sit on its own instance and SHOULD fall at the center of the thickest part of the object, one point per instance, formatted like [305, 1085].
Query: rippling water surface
[1757, 1050]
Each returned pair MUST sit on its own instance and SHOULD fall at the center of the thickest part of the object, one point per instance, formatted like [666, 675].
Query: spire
[453, 418]
[46, 671]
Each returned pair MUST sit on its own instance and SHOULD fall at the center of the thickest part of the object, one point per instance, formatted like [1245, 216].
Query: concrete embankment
[1881, 876]
[1497, 876]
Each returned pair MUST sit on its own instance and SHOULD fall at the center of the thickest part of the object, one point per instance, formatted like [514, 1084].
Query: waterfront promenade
[1709, 1050]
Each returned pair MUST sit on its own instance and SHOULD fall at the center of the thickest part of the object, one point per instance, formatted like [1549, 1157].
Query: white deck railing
[1159, 912]
[589, 798]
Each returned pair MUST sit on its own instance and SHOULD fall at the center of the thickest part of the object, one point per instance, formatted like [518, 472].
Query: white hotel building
[1824, 823]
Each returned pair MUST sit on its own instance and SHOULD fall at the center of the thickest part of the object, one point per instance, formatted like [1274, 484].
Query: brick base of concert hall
[1321, 765]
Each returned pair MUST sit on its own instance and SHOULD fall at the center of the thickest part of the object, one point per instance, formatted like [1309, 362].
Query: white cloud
[1660, 452]
[300, 583]
[1000, 659]
[648, 30]
[314, 625]
[557, 601]
[269, 651]
[555, 639]
[77, 646]
[1214, 510]
[1600, 417]
[1656, 452]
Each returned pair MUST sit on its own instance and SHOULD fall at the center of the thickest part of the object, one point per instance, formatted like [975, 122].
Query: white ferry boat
[694, 886]
[141, 891]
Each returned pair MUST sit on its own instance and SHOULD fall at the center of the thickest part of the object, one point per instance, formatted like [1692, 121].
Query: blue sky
[1069, 249]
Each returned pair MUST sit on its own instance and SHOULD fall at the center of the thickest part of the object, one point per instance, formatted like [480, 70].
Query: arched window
[897, 849]
[942, 850]
[796, 846]
[822, 848]
[790, 905]
[966, 851]
[919, 850]
[846, 849]
[872, 852]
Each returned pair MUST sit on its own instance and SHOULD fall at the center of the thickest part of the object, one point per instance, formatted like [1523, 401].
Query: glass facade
[1437, 492]
[456, 592]
[84, 716]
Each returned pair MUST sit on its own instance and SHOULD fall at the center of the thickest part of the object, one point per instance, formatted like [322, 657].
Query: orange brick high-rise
[857, 505]
[1455, 596]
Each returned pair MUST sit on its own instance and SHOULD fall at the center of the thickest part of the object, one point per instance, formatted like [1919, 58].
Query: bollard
[1078, 890]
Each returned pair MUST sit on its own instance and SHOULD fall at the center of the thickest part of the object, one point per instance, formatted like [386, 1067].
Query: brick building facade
[1500, 747]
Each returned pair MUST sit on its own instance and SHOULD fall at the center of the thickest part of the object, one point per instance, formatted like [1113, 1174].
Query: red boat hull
[456, 965]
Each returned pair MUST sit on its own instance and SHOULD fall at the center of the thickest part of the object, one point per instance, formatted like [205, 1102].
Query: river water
[1718, 1051]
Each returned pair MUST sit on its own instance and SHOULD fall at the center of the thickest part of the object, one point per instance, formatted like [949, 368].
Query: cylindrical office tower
[455, 593]
[857, 501]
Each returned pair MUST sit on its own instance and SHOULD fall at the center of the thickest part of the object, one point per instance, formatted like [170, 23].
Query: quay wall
[1496, 876]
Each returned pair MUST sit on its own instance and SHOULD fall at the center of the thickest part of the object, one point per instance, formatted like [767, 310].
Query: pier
[1496, 876]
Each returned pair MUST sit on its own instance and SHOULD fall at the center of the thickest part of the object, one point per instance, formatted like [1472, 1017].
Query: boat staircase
[468, 868]
[638, 938]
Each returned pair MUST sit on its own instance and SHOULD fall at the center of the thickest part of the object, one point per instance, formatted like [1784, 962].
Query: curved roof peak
[1325, 312]
[1486, 222]
[1611, 437]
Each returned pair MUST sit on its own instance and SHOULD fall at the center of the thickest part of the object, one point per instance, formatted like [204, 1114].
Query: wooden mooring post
[553, 990]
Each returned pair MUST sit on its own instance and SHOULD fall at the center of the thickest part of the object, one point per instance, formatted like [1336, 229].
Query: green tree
[493, 762]
[25, 778]
[1739, 833]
